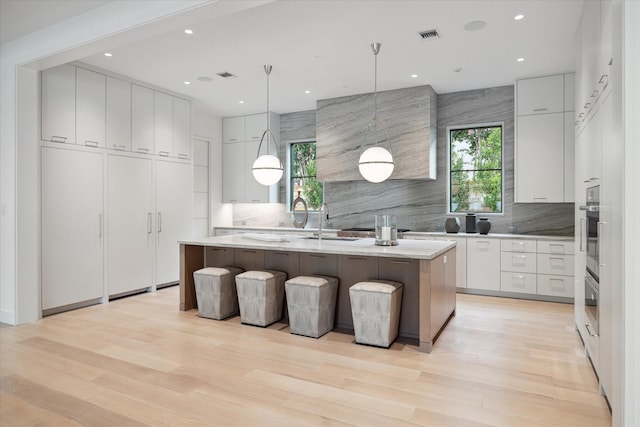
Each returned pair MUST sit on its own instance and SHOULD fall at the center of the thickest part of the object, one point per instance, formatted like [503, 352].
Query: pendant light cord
[375, 86]
[267, 69]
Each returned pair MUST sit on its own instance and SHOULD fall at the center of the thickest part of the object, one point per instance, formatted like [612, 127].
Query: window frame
[448, 156]
[289, 197]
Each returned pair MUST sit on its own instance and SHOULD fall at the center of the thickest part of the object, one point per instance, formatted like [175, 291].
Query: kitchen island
[426, 268]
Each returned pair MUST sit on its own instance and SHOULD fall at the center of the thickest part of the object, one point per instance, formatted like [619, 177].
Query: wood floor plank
[139, 360]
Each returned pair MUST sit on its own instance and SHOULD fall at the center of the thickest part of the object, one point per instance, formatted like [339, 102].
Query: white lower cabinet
[130, 224]
[518, 282]
[556, 268]
[559, 286]
[483, 264]
[173, 217]
[72, 227]
[518, 266]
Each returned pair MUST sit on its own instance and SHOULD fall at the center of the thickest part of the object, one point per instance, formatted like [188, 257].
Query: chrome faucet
[322, 213]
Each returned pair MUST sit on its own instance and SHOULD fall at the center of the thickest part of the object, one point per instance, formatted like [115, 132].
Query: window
[475, 169]
[302, 179]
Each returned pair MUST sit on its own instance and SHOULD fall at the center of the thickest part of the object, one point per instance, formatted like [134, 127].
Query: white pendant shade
[267, 169]
[376, 164]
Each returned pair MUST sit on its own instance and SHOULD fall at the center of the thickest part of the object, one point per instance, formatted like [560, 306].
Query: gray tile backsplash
[420, 205]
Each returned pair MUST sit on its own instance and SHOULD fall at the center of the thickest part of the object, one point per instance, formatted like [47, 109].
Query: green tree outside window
[476, 169]
[303, 174]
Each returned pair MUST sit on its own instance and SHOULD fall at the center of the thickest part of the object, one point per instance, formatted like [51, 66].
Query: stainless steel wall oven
[591, 236]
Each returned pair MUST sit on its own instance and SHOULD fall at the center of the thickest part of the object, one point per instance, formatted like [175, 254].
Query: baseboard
[8, 317]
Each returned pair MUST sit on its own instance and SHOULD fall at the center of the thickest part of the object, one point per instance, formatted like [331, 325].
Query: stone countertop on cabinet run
[410, 249]
[490, 236]
[277, 230]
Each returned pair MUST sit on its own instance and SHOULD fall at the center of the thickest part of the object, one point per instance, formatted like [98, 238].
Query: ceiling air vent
[429, 34]
[225, 75]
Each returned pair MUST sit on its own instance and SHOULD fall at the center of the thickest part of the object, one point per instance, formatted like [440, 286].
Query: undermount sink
[346, 239]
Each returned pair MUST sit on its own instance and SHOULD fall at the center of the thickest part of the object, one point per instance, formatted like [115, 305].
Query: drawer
[420, 237]
[556, 247]
[219, 232]
[515, 245]
[518, 262]
[555, 264]
[518, 282]
[559, 286]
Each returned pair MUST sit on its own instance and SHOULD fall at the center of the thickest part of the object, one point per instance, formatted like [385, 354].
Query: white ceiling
[323, 47]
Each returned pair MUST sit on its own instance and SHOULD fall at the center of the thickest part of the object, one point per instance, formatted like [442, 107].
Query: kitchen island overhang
[425, 267]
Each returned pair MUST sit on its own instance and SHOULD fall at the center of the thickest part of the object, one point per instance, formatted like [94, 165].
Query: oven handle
[590, 208]
[600, 224]
[583, 232]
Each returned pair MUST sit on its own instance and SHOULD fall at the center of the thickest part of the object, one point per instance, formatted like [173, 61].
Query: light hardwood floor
[140, 361]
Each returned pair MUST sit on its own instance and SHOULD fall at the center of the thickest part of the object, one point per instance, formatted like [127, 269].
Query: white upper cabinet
[59, 104]
[118, 135]
[569, 157]
[569, 92]
[233, 129]
[233, 174]
[254, 192]
[540, 95]
[540, 159]
[163, 123]
[90, 108]
[181, 128]
[141, 119]
[254, 126]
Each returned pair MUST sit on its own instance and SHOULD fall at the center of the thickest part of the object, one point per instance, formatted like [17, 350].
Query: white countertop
[410, 249]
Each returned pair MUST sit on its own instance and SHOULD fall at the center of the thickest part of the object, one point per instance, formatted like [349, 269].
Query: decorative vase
[471, 223]
[452, 225]
[484, 226]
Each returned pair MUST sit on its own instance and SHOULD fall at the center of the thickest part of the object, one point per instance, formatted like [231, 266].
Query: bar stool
[260, 296]
[311, 301]
[375, 307]
[216, 292]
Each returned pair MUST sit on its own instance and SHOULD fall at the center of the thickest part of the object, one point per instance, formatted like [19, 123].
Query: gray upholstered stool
[216, 292]
[375, 307]
[260, 296]
[311, 301]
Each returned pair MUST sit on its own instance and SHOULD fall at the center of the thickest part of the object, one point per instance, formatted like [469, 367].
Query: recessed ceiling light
[240, 102]
[204, 79]
[520, 59]
[108, 54]
[518, 17]
[475, 25]
[187, 83]
[188, 31]
[457, 70]
[307, 91]
[414, 76]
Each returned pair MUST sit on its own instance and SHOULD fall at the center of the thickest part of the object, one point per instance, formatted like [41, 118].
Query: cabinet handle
[119, 147]
[540, 199]
[356, 258]
[143, 150]
[149, 223]
[233, 139]
[163, 153]
[100, 226]
[399, 262]
[256, 200]
[587, 105]
[182, 156]
[600, 224]
[159, 222]
[604, 79]
[91, 143]
[317, 256]
[282, 253]
[233, 200]
[218, 250]
[540, 109]
[55, 138]
[594, 93]
[590, 331]
[582, 233]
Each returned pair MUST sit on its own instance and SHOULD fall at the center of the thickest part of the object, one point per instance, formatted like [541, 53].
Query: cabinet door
[90, 108]
[518, 282]
[569, 158]
[569, 92]
[483, 264]
[141, 119]
[407, 272]
[233, 173]
[254, 126]
[461, 259]
[173, 213]
[233, 129]
[518, 262]
[118, 114]
[181, 128]
[593, 137]
[162, 123]
[559, 286]
[59, 104]
[323, 264]
[72, 227]
[541, 95]
[540, 159]
[561, 265]
[254, 192]
[130, 224]
[249, 259]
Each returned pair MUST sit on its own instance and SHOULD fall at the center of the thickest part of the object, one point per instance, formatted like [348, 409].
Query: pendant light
[268, 169]
[376, 162]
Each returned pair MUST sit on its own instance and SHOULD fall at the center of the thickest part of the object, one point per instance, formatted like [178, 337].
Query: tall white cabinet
[130, 224]
[72, 227]
[173, 218]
